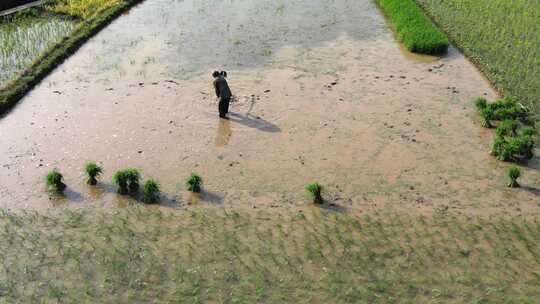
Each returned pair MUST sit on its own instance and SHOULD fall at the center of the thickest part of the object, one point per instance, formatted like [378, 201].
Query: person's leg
[226, 107]
[221, 108]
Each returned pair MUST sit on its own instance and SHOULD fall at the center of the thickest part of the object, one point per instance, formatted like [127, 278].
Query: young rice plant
[150, 191]
[194, 183]
[54, 181]
[127, 180]
[315, 192]
[93, 171]
[513, 174]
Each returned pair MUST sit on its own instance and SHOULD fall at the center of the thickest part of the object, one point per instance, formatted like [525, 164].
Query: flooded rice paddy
[322, 93]
[23, 39]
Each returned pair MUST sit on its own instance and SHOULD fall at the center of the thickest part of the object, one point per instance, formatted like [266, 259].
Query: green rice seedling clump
[480, 103]
[315, 192]
[513, 174]
[513, 148]
[503, 109]
[487, 115]
[528, 131]
[485, 110]
[522, 146]
[150, 191]
[414, 28]
[93, 171]
[499, 149]
[515, 132]
[133, 177]
[121, 180]
[509, 108]
[127, 180]
[507, 127]
[194, 183]
[54, 181]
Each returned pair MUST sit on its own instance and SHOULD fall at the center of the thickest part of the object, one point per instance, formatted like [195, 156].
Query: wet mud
[323, 92]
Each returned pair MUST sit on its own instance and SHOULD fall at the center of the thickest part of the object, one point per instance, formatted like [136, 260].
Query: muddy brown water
[323, 93]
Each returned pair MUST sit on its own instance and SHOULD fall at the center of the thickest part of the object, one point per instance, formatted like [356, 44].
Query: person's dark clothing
[222, 88]
[224, 106]
[223, 92]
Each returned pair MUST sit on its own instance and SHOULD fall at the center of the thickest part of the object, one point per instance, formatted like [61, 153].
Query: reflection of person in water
[224, 133]
[223, 92]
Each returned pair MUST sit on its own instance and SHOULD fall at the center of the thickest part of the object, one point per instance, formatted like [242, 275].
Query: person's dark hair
[224, 74]
[215, 74]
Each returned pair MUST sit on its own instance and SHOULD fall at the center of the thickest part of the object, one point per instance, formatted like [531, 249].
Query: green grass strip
[413, 28]
[54, 56]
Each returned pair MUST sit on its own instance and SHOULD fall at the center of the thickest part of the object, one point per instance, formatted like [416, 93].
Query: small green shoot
[507, 127]
[480, 103]
[528, 131]
[194, 183]
[133, 177]
[150, 191]
[499, 149]
[314, 191]
[93, 171]
[53, 181]
[513, 174]
[127, 180]
[487, 115]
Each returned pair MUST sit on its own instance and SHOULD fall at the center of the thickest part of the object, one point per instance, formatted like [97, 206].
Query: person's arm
[216, 88]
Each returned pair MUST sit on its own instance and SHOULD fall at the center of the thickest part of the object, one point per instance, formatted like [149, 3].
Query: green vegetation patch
[413, 28]
[93, 171]
[514, 136]
[54, 181]
[127, 180]
[315, 192]
[513, 174]
[194, 183]
[501, 36]
[151, 191]
[142, 255]
[82, 9]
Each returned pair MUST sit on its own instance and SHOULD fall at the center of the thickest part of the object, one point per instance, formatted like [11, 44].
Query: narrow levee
[323, 92]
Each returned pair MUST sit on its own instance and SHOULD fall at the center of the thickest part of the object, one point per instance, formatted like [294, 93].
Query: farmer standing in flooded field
[223, 92]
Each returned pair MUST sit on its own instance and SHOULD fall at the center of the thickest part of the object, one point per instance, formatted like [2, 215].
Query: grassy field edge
[465, 51]
[57, 54]
[201, 256]
[492, 70]
[413, 27]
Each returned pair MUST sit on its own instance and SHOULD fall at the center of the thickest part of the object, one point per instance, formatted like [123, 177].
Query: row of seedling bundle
[515, 129]
[127, 181]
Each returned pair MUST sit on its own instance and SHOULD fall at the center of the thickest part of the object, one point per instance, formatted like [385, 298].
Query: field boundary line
[21, 7]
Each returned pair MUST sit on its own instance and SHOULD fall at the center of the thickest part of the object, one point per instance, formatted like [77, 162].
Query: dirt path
[323, 93]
